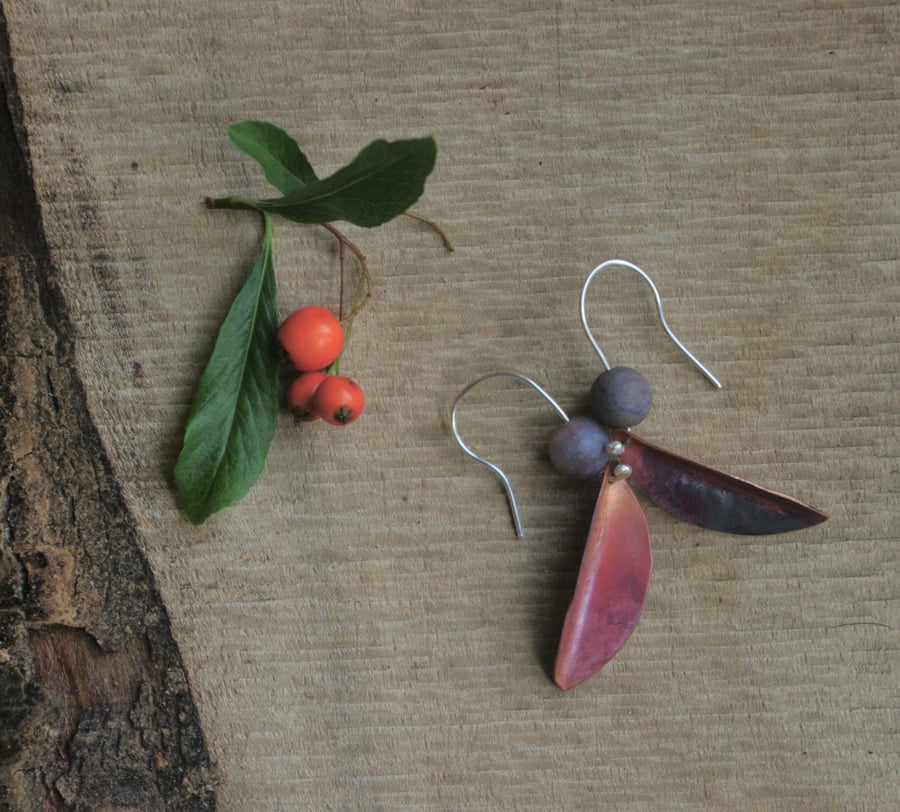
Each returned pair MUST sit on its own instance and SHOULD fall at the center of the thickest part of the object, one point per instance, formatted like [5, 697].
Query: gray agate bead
[621, 397]
[578, 448]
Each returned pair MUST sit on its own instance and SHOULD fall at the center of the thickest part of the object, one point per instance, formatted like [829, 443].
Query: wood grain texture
[364, 631]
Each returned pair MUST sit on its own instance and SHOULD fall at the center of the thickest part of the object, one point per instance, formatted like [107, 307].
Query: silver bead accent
[621, 471]
[615, 448]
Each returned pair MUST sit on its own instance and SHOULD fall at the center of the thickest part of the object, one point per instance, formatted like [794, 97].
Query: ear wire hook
[624, 264]
[454, 428]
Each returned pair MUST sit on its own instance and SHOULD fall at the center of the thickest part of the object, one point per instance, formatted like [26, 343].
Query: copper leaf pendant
[612, 585]
[711, 498]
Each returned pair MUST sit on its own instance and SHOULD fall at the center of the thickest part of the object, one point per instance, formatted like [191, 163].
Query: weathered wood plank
[363, 631]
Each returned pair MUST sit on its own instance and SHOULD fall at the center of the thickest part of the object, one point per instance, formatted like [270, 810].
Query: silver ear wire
[624, 264]
[454, 428]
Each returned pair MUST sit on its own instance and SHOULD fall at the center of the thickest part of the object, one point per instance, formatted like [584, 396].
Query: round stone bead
[578, 448]
[620, 397]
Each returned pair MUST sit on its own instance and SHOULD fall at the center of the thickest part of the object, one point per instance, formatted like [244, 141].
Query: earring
[617, 564]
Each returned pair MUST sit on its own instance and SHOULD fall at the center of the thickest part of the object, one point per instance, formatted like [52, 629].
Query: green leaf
[235, 408]
[279, 155]
[382, 182]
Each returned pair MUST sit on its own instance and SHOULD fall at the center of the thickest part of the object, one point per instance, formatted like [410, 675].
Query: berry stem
[341, 254]
[343, 240]
[335, 368]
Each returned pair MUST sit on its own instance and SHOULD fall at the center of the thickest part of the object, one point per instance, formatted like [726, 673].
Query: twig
[236, 202]
[443, 234]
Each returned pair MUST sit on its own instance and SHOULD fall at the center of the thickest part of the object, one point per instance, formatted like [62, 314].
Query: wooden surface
[364, 631]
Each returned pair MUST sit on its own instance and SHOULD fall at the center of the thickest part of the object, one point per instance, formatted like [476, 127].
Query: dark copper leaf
[710, 498]
[612, 585]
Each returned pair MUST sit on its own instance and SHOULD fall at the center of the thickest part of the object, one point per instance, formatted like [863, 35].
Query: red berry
[300, 395]
[311, 337]
[338, 400]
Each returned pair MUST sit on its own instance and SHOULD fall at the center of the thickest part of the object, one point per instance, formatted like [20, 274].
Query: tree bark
[96, 708]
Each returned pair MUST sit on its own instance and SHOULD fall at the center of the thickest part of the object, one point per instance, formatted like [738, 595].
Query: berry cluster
[312, 340]
[620, 398]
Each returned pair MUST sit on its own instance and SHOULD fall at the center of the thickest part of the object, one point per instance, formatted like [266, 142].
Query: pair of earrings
[616, 567]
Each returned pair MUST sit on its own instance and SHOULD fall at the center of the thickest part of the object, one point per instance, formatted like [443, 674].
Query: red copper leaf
[612, 585]
[711, 498]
